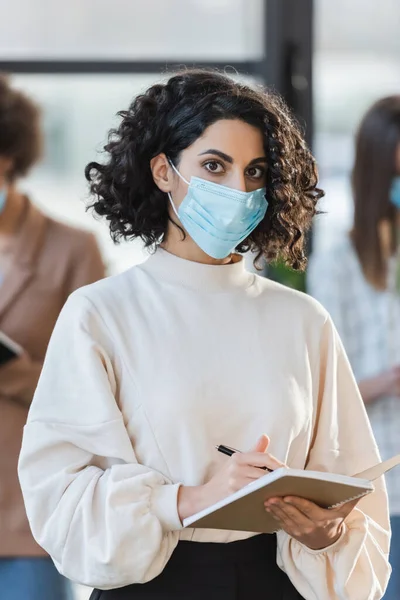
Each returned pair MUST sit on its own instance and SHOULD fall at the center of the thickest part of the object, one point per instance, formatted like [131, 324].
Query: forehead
[243, 142]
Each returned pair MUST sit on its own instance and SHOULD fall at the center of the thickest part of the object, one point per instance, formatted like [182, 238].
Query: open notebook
[244, 510]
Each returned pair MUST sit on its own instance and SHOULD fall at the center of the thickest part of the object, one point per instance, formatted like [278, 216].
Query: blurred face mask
[395, 192]
[3, 198]
[219, 218]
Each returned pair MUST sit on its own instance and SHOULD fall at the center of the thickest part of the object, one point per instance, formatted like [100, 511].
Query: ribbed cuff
[164, 504]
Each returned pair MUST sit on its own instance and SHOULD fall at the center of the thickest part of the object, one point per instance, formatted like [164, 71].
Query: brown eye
[255, 172]
[213, 166]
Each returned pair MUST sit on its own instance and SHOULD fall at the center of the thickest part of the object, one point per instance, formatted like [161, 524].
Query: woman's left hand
[308, 523]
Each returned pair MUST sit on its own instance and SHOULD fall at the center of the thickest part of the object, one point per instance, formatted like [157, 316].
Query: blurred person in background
[41, 263]
[358, 282]
[147, 371]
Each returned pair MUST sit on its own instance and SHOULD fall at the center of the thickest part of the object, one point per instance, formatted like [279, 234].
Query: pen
[229, 451]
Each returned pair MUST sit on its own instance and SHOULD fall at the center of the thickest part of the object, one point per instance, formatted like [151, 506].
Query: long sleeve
[356, 567]
[106, 520]
[19, 377]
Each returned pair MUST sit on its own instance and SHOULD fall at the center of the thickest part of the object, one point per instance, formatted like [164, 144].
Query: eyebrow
[229, 159]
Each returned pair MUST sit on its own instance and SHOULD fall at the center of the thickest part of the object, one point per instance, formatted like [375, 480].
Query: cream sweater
[145, 373]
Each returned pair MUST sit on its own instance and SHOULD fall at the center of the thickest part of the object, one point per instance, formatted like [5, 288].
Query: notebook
[244, 510]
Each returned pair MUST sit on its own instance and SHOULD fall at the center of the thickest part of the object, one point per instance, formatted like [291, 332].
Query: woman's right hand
[239, 470]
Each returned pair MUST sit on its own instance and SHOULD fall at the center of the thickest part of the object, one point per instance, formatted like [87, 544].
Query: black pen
[229, 451]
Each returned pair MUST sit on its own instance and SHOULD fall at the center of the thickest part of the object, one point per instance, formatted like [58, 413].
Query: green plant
[282, 274]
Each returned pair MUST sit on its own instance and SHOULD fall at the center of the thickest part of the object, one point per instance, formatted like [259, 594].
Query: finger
[262, 444]
[311, 510]
[294, 515]
[250, 472]
[258, 459]
[280, 524]
[244, 476]
[283, 519]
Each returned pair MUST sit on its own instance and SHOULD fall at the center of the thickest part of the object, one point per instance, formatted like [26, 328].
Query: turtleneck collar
[167, 267]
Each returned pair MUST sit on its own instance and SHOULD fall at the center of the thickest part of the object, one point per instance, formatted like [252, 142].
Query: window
[356, 61]
[80, 107]
[133, 30]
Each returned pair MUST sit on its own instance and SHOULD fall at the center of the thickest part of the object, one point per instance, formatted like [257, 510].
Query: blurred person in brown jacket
[41, 262]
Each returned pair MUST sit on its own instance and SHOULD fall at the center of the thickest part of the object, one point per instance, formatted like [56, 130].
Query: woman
[41, 263]
[358, 282]
[148, 371]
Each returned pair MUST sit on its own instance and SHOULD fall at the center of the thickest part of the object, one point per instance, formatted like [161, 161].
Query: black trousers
[243, 570]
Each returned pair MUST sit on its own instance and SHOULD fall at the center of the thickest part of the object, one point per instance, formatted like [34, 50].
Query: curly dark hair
[20, 135]
[168, 118]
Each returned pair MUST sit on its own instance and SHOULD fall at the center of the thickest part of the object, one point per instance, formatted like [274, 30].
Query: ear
[162, 172]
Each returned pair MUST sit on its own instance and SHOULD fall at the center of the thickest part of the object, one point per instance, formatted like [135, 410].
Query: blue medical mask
[395, 192]
[217, 217]
[3, 198]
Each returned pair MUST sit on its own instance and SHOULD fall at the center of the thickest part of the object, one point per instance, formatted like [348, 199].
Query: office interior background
[82, 61]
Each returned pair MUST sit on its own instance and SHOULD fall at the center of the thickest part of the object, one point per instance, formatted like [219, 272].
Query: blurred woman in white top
[358, 282]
